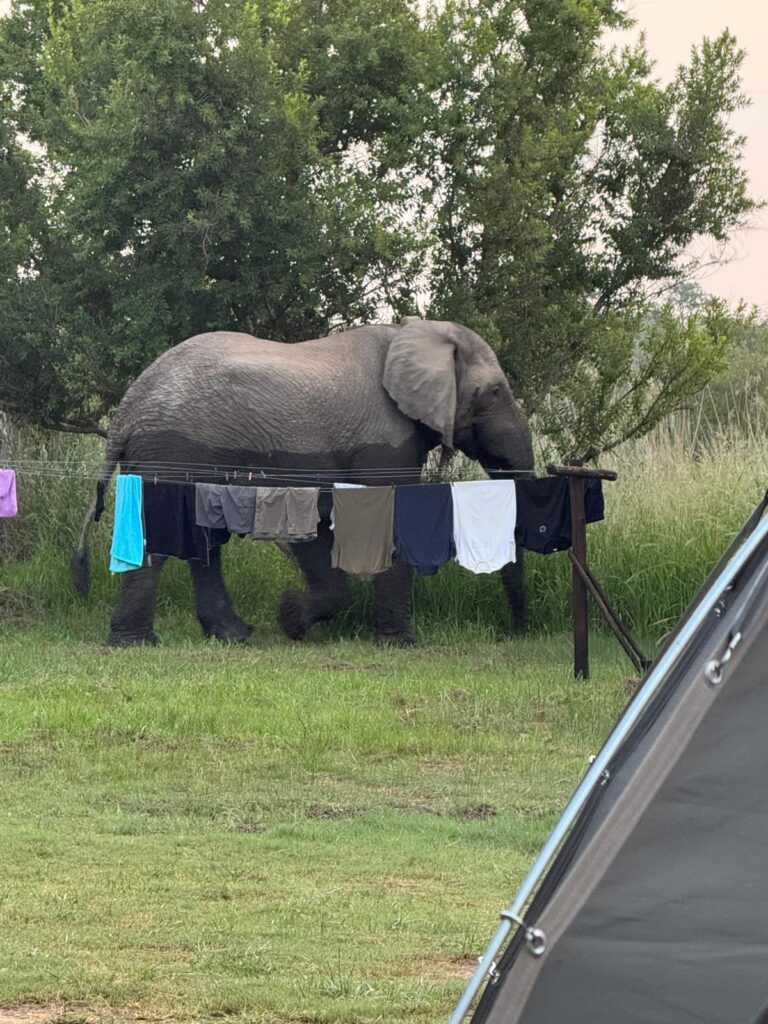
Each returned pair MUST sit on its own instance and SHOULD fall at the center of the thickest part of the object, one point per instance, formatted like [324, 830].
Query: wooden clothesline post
[582, 581]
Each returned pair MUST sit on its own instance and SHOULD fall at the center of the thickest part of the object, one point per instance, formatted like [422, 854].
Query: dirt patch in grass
[441, 967]
[218, 653]
[250, 828]
[29, 1014]
[330, 811]
[435, 765]
[66, 1013]
[332, 665]
[475, 812]
[405, 886]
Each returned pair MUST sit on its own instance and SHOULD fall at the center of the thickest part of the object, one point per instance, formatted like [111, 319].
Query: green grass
[322, 832]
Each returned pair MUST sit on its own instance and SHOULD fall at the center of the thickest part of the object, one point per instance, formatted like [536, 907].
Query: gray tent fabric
[656, 908]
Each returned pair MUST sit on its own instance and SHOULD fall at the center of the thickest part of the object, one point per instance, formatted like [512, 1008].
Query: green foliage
[635, 374]
[738, 396]
[568, 183]
[193, 168]
[285, 167]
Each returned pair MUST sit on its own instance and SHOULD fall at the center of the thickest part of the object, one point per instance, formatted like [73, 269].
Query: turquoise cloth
[128, 534]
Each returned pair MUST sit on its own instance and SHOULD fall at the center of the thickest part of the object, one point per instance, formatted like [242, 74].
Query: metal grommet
[535, 938]
[713, 673]
[535, 941]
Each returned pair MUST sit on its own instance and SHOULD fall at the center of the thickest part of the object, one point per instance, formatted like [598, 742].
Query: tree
[195, 167]
[568, 184]
[285, 167]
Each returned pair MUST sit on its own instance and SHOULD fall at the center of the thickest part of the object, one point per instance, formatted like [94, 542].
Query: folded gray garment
[364, 530]
[224, 506]
[287, 514]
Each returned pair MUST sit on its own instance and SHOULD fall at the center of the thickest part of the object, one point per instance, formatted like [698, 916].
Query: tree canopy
[286, 167]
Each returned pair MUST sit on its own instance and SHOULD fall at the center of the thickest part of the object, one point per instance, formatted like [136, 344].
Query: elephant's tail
[80, 558]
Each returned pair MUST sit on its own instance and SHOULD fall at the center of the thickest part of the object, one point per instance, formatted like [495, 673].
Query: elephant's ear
[420, 376]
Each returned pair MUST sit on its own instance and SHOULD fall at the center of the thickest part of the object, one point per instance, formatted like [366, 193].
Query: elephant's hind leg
[215, 610]
[328, 589]
[133, 618]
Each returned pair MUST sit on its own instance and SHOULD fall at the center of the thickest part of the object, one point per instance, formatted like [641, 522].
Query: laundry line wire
[182, 475]
[250, 474]
[30, 465]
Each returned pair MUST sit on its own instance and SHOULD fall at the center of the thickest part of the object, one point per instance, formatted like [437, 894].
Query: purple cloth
[8, 505]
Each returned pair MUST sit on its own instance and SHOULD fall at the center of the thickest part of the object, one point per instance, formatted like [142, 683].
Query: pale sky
[672, 27]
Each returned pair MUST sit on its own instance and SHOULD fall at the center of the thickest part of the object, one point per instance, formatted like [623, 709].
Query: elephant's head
[449, 378]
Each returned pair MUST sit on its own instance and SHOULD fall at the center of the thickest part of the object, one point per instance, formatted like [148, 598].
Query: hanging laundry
[364, 529]
[343, 487]
[484, 515]
[170, 526]
[594, 501]
[287, 514]
[544, 512]
[127, 551]
[8, 503]
[225, 507]
[424, 526]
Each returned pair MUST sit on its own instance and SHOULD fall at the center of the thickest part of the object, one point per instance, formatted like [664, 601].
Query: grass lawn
[319, 832]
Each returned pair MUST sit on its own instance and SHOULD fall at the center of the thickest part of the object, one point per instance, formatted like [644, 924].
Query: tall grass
[682, 494]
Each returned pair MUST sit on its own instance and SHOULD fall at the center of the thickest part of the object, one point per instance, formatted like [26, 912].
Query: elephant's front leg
[133, 618]
[393, 605]
[328, 589]
[214, 605]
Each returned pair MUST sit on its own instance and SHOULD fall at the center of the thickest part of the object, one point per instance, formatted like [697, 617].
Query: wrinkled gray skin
[376, 396]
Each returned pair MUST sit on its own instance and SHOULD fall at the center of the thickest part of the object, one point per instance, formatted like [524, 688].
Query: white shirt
[484, 516]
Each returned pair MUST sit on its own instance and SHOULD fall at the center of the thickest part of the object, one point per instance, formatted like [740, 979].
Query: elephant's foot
[234, 631]
[293, 615]
[120, 638]
[402, 638]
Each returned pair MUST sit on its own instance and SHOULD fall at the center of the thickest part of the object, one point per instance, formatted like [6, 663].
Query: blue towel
[128, 534]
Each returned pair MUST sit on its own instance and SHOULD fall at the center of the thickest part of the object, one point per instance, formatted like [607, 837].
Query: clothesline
[477, 522]
[160, 468]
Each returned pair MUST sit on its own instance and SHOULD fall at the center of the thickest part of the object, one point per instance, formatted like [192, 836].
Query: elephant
[376, 397]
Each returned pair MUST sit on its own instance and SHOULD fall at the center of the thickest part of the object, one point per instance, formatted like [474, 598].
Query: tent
[649, 902]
